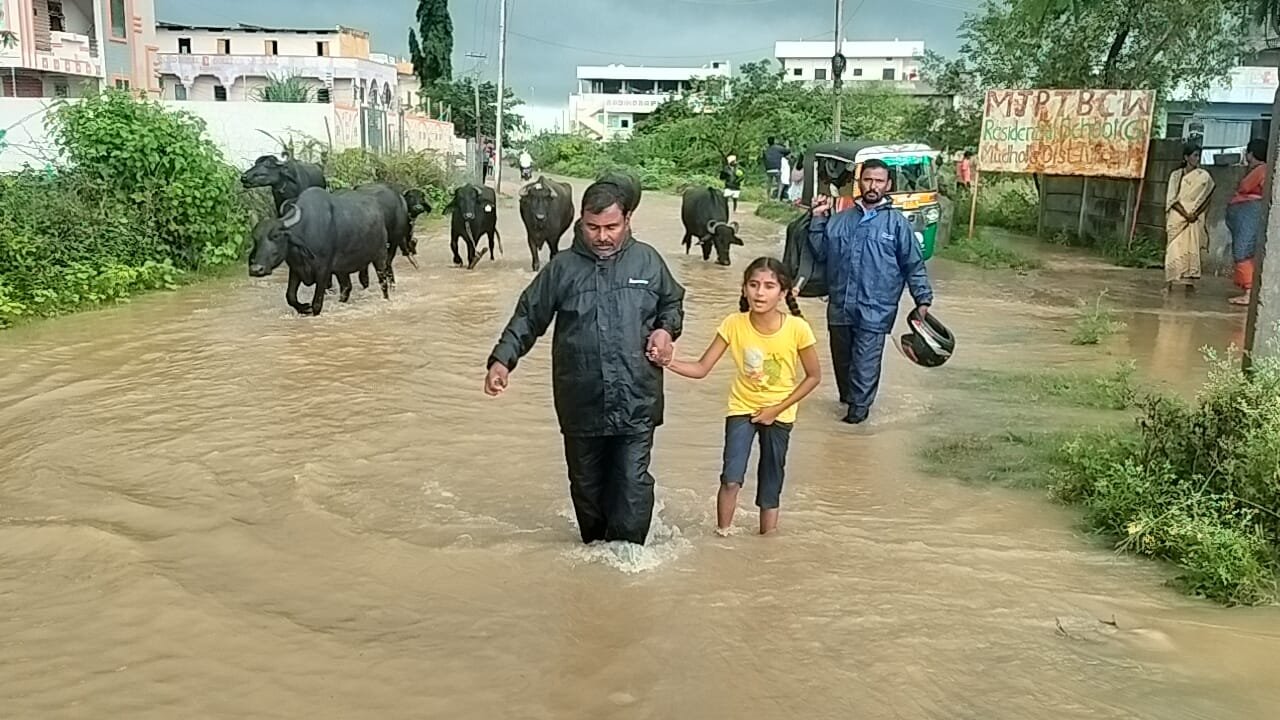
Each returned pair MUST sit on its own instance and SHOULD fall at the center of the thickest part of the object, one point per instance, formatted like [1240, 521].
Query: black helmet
[930, 343]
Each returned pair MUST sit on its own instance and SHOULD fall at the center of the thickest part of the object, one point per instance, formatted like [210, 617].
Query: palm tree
[285, 89]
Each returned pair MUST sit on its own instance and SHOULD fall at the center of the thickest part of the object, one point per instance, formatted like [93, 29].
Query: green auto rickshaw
[833, 168]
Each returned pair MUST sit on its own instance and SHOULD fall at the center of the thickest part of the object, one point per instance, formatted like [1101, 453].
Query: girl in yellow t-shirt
[769, 347]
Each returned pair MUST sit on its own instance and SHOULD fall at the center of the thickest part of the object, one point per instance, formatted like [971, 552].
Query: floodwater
[213, 508]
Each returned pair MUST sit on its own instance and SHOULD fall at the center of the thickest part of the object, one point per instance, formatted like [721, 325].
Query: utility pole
[502, 67]
[475, 85]
[837, 67]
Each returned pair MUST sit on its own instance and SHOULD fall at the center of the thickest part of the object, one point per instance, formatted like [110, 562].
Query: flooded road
[213, 508]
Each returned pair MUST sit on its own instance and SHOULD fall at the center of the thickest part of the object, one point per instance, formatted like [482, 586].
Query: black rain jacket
[604, 312]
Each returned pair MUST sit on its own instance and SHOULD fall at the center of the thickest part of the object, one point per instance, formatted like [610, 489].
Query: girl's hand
[766, 416]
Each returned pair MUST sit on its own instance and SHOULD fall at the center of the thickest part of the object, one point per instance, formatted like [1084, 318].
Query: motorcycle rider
[526, 165]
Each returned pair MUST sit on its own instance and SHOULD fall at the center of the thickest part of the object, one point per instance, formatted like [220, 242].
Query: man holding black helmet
[870, 254]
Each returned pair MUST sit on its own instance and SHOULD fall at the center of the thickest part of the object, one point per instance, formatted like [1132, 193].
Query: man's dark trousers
[610, 484]
[856, 356]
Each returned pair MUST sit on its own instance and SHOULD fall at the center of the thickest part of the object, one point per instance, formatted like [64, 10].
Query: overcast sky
[546, 39]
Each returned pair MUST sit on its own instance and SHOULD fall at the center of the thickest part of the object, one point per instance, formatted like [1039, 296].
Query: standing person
[772, 157]
[870, 254]
[617, 308]
[732, 176]
[1186, 203]
[769, 347]
[796, 189]
[1244, 217]
[964, 171]
[784, 176]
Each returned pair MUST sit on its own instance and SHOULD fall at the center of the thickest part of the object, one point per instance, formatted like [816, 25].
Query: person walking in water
[1245, 219]
[769, 348]
[617, 310]
[870, 254]
[1186, 201]
[732, 176]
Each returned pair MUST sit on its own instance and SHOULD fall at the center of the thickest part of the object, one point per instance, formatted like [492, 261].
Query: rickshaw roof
[859, 150]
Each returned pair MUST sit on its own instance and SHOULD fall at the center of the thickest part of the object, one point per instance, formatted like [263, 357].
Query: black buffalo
[546, 207]
[319, 235]
[475, 214]
[399, 210]
[287, 179]
[705, 214]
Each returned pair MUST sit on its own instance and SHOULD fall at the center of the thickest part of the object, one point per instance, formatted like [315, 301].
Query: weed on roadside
[1095, 324]
[982, 252]
[1115, 390]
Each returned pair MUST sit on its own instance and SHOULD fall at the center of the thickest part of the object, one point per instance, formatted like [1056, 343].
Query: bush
[423, 171]
[1095, 323]
[781, 212]
[1141, 252]
[1198, 485]
[142, 200]
[1009, 202]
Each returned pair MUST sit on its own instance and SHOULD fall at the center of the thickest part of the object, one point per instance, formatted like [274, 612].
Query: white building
[233, 63]
[879, 60]
[611, 99]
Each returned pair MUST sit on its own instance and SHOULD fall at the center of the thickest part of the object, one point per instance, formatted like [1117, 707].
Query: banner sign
[1099, 133]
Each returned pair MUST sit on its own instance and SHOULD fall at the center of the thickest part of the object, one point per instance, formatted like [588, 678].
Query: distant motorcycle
[526, 173]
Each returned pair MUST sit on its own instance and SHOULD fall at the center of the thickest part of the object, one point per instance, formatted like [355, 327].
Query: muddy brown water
[213, 508]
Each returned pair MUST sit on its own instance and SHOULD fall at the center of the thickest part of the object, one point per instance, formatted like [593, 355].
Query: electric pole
[502, 67]
[837, 67]
[475, 85]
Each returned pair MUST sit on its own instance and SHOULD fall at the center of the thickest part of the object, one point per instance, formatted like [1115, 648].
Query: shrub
[1198, 485]
[142, 199]
[424, 171]
[1095, 323]
[1006, 202]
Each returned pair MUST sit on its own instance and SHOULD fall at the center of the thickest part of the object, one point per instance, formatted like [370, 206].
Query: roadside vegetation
[982, 251]
[1194, 483]
[1095, 323]
[141, 199]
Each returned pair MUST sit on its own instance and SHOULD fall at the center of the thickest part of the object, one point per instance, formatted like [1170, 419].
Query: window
[797, 72]
[57, 21]
[887, 74]
[184, 46]
[119, 23]
[322, 49]
[180, 92]
[857, 72]
[224, 46]
[60, 91]
[122, 84]
[219, 93]
[820, 74]
[322, 95]
[272, 47]
[626, 123]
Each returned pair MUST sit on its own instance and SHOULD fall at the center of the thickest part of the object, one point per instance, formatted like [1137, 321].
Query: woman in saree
[1244, 217]
[1186, 203]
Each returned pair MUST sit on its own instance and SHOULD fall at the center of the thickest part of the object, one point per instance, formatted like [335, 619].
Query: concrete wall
[871, 68]
[236, 128]
[1108, 206]
[246, 43]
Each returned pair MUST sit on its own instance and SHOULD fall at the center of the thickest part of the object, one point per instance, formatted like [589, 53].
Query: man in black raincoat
[617, 310]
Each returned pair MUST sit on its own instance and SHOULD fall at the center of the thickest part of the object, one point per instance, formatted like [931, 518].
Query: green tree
[432, 57]
[459, 95]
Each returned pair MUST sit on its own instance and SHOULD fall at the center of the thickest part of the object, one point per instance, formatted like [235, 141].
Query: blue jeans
[774, 439]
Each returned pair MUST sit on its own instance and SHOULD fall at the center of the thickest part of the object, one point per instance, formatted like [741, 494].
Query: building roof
[246, 28]
[644, 72]
[822, 49]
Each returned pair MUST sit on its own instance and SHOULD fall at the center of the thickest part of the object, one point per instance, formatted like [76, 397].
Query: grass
[779, 212]
[981, 251]
[1008, 458]
[1115, 390]
[1143, 252]
[1095, 324]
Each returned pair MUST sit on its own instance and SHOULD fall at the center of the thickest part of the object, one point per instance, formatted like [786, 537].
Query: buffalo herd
[324, 234]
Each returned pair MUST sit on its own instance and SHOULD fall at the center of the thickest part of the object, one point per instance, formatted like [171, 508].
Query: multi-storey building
[66, 48]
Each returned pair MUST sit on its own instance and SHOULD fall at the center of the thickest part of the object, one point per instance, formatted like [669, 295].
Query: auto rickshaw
[833, 169]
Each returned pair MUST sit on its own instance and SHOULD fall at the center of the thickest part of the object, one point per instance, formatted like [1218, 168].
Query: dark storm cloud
[548, 38]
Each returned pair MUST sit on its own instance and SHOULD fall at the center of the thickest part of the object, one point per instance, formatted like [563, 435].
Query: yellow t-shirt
[768, 365]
